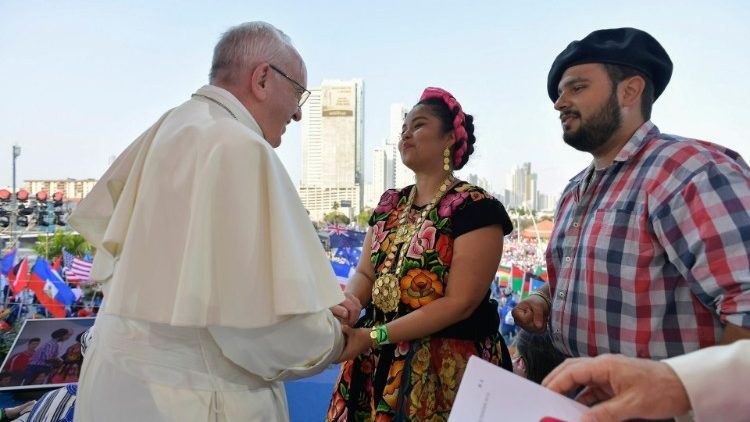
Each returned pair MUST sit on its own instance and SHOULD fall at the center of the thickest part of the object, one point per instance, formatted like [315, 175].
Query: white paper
[490, 393]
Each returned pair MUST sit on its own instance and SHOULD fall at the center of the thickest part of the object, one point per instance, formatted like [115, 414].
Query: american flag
[76, 269]
[67, 258]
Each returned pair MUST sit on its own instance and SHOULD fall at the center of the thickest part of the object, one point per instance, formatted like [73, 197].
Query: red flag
[57, 264]
[38, 284]
[18, 277]
[516, 278]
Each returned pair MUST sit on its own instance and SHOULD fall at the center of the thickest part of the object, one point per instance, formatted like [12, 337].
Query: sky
[80, 80]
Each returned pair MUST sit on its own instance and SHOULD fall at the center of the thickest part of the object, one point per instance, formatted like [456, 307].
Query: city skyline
[84, 80]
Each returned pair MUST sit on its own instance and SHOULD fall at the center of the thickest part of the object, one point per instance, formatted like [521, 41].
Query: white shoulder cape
[197, 223]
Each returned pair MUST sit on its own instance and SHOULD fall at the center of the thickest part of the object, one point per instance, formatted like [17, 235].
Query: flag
[541, 272]
[526, 289]
[536, 283]
[79, 271]
[50, 289]
[503, 276]
[516, 278]
[67, 258]
[340, 237]
[57, 265]
[341, 269]
[7, 261]
[336, 229]
[350, 254]
[19, 276]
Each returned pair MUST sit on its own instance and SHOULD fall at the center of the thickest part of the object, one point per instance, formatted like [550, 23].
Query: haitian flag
[6, 264]
[50, 289]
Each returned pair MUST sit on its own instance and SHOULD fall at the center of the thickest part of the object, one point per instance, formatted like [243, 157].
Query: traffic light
[24, 210]
[57, 199]
[41, 218]
[22, 221]
[58, 219]
[4, 218]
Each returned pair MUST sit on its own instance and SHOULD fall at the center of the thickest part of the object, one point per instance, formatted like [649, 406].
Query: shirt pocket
[621, 244]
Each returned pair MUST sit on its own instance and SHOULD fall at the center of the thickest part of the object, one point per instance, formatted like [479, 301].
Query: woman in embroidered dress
[427, 264]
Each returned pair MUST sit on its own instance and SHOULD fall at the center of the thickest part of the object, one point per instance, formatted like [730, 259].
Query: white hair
[244, 46]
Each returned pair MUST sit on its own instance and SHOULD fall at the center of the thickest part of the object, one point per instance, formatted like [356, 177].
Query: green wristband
[379, 336]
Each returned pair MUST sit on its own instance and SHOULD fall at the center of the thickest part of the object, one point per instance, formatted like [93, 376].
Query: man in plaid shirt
[649, 256]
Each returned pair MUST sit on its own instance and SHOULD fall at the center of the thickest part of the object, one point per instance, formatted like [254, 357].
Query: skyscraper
[401, 175]
[522, 189]
[333, 148]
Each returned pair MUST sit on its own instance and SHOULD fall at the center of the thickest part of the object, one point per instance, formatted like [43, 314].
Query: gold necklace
[385, 291]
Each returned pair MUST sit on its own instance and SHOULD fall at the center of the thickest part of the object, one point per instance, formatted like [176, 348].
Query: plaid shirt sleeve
[705, 230]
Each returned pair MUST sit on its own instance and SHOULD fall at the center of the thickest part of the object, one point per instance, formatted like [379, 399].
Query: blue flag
[8, 261]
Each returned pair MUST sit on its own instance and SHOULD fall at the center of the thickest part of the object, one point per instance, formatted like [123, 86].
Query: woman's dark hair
[538, 353]
[440, 110]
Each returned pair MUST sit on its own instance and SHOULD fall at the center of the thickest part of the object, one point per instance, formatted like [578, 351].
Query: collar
[646, 131]
[232, 104]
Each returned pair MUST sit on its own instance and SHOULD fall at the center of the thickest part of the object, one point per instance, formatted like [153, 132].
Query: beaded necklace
[385, 291]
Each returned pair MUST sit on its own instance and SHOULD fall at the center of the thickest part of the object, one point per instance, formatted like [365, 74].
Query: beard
[597, 130]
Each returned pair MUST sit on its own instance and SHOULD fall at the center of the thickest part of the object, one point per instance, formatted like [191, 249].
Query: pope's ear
[259, 81]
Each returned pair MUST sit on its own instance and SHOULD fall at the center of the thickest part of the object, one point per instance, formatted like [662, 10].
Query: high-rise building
[522, 188]
[333, 148]
[379, 172]
[401, 174]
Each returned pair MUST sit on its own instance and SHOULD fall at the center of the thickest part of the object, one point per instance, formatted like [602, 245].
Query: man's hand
[621, 388]
[532, 314]
[347, 312]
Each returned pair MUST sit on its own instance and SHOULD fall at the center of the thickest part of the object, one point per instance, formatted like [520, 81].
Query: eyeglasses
[302, 93]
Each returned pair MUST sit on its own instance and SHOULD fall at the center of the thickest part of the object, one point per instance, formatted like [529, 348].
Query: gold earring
[446, 159]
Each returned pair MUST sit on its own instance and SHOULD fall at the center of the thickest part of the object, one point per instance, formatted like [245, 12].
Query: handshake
[347, 312]
[356, 340]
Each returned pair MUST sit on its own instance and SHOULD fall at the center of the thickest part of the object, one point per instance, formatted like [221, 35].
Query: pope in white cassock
[216, 287]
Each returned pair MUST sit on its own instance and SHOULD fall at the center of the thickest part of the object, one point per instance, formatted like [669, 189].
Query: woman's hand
[357, 342]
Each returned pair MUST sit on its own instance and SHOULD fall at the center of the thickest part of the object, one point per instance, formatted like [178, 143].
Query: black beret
[621, 46]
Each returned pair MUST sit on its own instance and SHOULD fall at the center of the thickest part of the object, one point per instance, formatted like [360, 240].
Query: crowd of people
[524, 253]
[648, 264]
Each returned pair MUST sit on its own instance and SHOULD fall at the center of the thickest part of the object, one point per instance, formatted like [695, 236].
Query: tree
[363, 216]
[50, 247]
[336, 217]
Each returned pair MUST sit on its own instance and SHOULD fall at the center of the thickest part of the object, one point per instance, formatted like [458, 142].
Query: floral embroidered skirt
[409, 381]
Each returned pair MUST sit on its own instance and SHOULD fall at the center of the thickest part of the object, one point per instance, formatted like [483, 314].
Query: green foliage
[7, 338]
[364, 216]
[51, 247]
[336, 217]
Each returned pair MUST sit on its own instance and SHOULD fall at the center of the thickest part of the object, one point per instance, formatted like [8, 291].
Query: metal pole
[14, 203]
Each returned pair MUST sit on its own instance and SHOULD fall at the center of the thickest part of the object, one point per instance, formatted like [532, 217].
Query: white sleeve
[298, 347]
[716, 380]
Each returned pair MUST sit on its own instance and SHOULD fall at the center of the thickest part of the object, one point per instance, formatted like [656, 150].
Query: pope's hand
[347, 312]
[532, 314]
